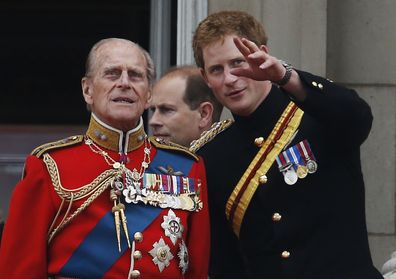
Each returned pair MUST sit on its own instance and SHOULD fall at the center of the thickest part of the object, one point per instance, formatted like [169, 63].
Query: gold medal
[302, 171]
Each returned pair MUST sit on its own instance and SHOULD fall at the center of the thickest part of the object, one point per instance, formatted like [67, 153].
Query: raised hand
[262, 66]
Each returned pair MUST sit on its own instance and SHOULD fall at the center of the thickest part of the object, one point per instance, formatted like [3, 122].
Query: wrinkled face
[240, 95]
[118, 89]
[171, 117]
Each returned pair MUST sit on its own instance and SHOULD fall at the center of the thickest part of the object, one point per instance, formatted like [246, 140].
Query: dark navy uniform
[315, 228]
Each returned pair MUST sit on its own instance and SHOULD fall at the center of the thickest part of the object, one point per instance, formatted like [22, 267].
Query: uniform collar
[114, 139]
[267, 113]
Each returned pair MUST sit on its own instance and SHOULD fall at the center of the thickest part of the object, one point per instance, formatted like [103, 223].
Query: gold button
[259, 141]
[135, 274]
[314, 83]
[137, 255]
[276, 217]
[320, 86]
[285, 254]
[74, 137]
[138, 236]
[263, 179]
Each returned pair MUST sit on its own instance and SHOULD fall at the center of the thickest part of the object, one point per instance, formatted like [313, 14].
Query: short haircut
[91, 59]
[197, 91]
[221, 24]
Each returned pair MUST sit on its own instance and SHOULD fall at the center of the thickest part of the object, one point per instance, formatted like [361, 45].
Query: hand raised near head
[262, 66]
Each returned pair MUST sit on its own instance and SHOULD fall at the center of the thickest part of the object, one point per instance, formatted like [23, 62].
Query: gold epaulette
[210, 134]
[161, 143]
[70, 141]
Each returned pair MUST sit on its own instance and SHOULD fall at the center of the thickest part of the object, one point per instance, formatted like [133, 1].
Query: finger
[241, 72]
[258, 55]
[242, 48]
[267, 63]
[251, 45]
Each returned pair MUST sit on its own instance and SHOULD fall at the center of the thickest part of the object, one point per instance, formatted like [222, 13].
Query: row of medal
[296, 162]
[165, 191]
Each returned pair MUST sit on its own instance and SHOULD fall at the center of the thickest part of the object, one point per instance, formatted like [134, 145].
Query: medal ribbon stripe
[296, 153]
[287, 157]
[307, 148]
[240, 198]
[168, 183]
[293, 156]
[302, 152]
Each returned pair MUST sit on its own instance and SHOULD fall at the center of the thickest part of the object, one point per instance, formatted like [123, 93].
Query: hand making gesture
[262, 65]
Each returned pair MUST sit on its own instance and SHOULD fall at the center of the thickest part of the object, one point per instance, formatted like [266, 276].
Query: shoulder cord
[210, 134]
[93, 190]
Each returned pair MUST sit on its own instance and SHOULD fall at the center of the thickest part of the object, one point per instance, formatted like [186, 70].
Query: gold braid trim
[210, 134]
[161, 143]
[78, 193]
[45, 148]
[100, 190]
[93, 190]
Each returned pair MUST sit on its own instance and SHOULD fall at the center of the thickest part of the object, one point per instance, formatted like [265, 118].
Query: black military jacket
[320, 227]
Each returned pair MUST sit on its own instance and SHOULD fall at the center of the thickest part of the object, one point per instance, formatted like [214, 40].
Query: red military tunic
[167, 241]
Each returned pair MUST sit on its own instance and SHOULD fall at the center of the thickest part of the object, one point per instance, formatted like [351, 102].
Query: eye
[216, 70]
[238, 62]
[135, 75]
[112, 73]
[166, 110]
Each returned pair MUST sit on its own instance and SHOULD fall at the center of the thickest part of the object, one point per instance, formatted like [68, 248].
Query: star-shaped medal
[172, 226]
[161, 254]
[183, 257]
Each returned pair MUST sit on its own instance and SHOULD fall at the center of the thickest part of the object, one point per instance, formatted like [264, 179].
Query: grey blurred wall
[352, 42]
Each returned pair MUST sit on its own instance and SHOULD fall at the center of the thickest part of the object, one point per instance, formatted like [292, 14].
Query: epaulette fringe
[161, 143]
[210, 134]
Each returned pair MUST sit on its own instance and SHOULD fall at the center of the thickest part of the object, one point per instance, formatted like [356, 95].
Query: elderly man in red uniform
[112, 203]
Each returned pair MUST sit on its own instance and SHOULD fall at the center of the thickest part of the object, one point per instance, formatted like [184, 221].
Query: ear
[149, 97]
[264, 48]
[203, 74]
[206, 111]
[86, 90]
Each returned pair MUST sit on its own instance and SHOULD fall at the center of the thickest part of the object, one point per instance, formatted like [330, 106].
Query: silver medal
[130, 195]
[290, 176]
[312, 166]
[172, 226]
[161, 254]
[183, 257]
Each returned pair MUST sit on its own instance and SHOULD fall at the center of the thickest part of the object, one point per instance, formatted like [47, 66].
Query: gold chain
[120, 165]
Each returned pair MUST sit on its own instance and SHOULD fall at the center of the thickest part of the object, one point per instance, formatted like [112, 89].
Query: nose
[154, 121]
[123, 81]
[228, 77]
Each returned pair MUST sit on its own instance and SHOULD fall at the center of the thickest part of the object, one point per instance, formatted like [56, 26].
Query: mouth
[235, 93]
[123, 100]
